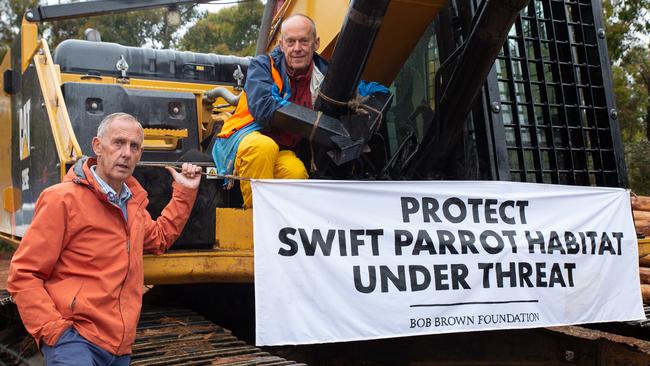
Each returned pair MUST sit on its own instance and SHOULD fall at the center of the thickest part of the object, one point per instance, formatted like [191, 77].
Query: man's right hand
[189, 177]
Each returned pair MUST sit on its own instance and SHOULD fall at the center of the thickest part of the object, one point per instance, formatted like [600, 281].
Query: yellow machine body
[231, 258]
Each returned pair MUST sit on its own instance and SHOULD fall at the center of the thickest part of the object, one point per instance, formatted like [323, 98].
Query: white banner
[343, 261]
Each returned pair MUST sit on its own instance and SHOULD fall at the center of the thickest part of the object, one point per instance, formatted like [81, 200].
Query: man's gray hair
[311, 21]
[103, 125]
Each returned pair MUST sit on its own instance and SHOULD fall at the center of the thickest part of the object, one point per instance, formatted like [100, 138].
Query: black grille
[555, 99]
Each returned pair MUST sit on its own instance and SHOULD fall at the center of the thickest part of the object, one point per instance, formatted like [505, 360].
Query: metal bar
[514, 103]
[482, 48]
[176, 165]
[575, 95]
[598, 170]
[265, 27]
[319, 128]
[563, 100]
[445, 41]
[67, 146]
[606, 73]
[530, 104]
[500, 166]
[353, 46]
[490, 126]
[91, 8]
[543, 90]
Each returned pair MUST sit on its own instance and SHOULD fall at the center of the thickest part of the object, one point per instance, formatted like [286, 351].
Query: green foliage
[11, 15]
[637, 63]
[638, 168]
[232, 30]
[626, 21]
[140, 28]
[630, 105]
[147, 27]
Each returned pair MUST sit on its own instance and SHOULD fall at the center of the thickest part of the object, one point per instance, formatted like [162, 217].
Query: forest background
[234, 29]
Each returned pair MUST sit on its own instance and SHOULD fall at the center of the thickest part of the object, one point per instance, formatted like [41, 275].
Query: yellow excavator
[494, 89]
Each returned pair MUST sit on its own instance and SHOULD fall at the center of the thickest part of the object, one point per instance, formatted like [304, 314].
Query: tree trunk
[647, 110]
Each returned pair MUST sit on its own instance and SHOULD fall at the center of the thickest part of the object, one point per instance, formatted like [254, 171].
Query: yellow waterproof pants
[259, 157]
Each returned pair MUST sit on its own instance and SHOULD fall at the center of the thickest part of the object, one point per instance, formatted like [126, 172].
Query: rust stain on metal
[167, 320]
[594, 335]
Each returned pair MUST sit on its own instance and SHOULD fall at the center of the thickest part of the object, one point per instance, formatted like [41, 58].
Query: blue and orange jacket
[267, 89]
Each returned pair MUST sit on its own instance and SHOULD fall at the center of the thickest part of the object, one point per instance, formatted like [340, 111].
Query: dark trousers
[72, 349]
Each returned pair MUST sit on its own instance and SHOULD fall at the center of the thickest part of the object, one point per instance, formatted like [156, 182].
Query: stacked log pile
[644, 273]
[641, 210]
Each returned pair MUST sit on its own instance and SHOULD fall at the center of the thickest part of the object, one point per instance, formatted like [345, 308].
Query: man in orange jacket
[77, 276]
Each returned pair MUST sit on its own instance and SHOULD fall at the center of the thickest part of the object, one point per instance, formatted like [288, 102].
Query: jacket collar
[80, 174]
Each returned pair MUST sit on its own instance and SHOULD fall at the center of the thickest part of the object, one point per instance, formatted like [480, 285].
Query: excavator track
[645, 323]
[164, 337]
[182, 337]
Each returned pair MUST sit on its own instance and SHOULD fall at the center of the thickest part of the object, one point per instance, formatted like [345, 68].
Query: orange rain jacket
[80, 264]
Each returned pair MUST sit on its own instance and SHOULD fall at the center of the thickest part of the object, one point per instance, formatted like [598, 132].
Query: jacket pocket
[64, 294]
[73, 303]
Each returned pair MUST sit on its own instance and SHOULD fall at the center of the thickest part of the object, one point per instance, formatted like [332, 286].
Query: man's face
[118, 151]
[298, 43]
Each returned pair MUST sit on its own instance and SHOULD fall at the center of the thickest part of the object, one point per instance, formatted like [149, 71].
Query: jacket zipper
[126, 275]
[128, 268]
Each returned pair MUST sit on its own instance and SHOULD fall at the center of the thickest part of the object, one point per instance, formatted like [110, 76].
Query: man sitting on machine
[292, 73]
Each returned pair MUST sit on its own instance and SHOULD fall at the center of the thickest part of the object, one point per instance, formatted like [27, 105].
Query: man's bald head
[302, 20]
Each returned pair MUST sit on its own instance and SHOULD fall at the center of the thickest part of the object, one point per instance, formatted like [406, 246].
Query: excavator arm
[44, 13]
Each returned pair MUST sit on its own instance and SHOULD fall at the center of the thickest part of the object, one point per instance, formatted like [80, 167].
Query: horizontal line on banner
[473, 303]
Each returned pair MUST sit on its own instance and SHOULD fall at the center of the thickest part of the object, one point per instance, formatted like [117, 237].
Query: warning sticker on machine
[342, 261]
[24, 122]
[211, 173]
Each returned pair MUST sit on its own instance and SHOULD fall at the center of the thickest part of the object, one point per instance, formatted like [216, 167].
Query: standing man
[292, 73]
[77, 276]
